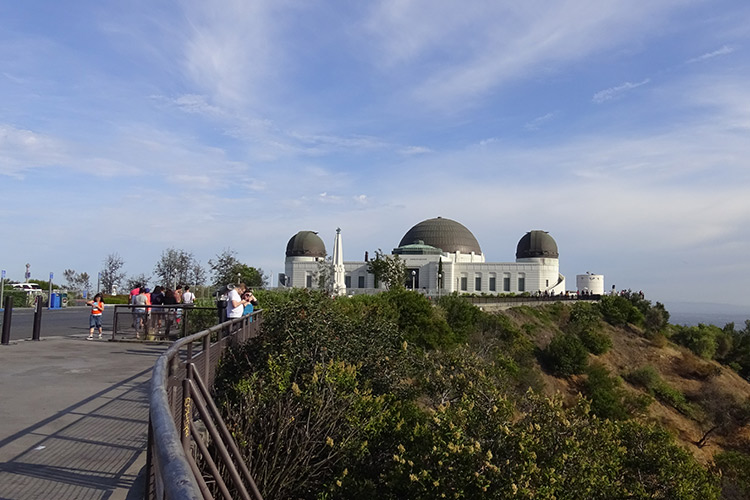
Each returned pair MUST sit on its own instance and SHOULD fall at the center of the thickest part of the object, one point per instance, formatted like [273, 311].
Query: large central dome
[446, 234]
[305, 244]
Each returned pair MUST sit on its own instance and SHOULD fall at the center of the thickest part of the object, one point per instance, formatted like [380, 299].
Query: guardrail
[161, 322]
[178, 443]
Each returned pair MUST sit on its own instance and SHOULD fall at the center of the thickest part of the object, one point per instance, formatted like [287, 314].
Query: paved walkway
[74, 418]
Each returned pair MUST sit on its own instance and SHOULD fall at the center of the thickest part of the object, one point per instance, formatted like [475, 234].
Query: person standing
[141, 301]
[235, 302]
[188, 297]
[95, 320]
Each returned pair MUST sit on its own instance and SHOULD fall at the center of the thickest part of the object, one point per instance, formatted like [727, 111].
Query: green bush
[609, 399]
[565, 355]
[619, 311]
[701, 339]
[597, 342]
[462, 316]
[648, 378]
[735, 474]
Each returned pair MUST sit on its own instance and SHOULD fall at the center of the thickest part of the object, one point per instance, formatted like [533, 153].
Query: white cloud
[22, 150]
[415, 150]
[724, 50]
[617, 92]
[538, 122]
[466, 52]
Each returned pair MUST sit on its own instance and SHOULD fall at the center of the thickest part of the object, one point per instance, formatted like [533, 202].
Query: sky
[621, 128]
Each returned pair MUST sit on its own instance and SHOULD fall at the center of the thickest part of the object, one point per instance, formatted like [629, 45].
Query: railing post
[114, 323]
[36, 332]
[7, 314]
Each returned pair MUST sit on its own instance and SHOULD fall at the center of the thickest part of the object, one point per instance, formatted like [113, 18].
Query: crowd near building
[442, 255]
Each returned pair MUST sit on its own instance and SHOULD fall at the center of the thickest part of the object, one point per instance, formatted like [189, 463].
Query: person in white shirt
[188, 297]
[235, 302]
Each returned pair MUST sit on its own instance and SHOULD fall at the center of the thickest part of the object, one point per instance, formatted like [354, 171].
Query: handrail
[171, 471]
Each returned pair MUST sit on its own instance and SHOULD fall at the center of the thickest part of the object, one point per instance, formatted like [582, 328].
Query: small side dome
[305, 244]
[446, 234]
[537, 244]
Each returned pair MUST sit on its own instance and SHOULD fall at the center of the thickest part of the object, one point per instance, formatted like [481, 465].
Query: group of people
[142, 297]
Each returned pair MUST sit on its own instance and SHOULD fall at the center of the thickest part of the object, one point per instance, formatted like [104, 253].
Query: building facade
[441, 256]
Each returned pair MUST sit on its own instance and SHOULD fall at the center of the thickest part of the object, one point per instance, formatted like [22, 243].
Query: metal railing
[161, 322]
[177, 441]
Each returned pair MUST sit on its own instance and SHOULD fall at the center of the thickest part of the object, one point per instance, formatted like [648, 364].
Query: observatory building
[440, 254]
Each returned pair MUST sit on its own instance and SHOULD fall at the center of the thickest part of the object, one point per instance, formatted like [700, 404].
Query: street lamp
[413, 279]
[440, 280]
[238, 278]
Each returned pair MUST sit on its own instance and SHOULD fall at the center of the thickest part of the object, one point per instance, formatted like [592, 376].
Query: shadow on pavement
[87, 450]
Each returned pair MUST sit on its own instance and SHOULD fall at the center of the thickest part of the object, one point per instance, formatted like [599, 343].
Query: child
[95, 320]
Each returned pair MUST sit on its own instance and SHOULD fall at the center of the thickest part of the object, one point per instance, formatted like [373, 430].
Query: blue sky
[622, 129]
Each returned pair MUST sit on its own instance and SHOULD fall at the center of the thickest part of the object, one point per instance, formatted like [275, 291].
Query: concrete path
[74, 418]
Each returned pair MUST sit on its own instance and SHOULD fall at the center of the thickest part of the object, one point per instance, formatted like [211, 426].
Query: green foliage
[701, 339]
[418, 320]
[566, 355]
[619, 311]
[20, 298]
[733, 348]
[116, 299]
[584, 317]
[596, 341]
[648, 378]
[356, 398]
[226, 269]
[735, 474]
[609, 399]
[389, 270]
[658, 468]
[462, 316]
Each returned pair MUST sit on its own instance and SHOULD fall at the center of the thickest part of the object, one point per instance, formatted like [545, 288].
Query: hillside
[703, 382]
[392, 396]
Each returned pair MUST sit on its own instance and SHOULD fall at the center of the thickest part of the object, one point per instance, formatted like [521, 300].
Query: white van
[27, 287]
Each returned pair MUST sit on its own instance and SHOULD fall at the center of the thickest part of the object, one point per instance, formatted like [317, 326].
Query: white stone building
[441, 256]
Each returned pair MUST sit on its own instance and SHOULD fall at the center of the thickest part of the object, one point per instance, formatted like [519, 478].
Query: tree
[226, 269]
[325, 275]
[77, 281]
[176, 267]
[137, 280]
[112, 275]
[70, 278]
[388, 269]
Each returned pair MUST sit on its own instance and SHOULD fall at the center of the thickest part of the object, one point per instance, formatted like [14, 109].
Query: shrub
[462, 316]
[566, 355]
[619, 311]
[648, 378]
[584, 317]
[700, 339]
[691, 367]
[597, 342]
[606, 393]
[735, 474]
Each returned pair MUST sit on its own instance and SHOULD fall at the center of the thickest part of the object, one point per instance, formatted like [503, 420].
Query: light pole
[413, 279]
[440, 279]
[238, 278]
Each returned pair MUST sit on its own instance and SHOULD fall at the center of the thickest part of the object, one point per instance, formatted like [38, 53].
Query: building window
[546, 283]
[361, 282]
[348, 281]
[521, 282]
[478, 283]
[308, 281]
[464, 283]
[493, 283]
[506, 282]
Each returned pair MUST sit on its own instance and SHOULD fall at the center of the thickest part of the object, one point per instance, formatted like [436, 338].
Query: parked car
[27, 287]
